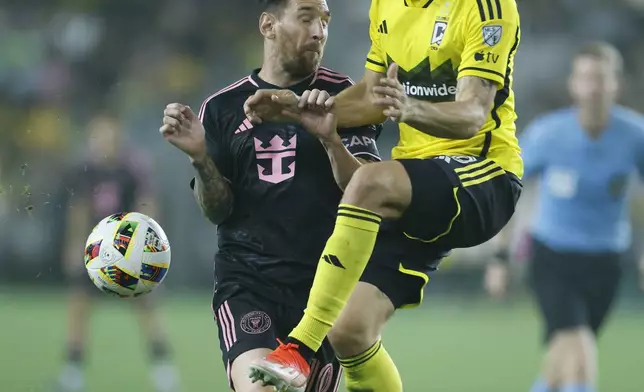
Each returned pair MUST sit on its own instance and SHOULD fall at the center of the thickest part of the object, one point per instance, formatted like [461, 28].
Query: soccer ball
[127, 254]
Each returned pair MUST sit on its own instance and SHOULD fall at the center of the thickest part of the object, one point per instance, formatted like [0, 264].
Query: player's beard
[302, 64]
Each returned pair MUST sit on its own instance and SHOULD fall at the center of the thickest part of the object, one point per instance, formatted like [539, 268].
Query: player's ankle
[159, 351]
[75, 354]
[304, 351]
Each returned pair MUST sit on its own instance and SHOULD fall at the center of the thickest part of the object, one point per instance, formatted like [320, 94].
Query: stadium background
[61, 61]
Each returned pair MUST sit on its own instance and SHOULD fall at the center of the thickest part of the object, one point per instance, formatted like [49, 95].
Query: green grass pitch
[448, 345]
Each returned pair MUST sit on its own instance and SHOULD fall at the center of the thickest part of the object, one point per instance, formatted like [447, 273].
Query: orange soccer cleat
[285, 369]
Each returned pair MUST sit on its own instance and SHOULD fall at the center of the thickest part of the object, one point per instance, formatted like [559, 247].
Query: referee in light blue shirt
[585, 157]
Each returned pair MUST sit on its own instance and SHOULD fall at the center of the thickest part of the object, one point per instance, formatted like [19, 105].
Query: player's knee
[352, 336]
[381, 187]
[367, 185]
[361, 322]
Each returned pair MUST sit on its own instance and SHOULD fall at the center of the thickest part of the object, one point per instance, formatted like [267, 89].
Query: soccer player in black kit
[107, 181]
[272, 189]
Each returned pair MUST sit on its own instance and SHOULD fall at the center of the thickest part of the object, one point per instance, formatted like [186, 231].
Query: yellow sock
[344, 259]
[372, 371]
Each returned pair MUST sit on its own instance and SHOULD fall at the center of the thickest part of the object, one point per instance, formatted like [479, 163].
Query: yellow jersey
[435, 42]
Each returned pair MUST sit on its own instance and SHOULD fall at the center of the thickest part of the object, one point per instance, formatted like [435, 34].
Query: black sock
[75, 355]
[159, 351]
[304, 351]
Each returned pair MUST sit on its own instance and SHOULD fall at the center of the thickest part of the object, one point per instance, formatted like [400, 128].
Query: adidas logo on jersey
[382, 29]
[245, 126]
[434, 90]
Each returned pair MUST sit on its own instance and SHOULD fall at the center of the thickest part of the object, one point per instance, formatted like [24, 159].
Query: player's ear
[267, 23]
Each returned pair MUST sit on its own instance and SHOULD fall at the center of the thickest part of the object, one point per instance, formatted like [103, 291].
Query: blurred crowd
[64, 62]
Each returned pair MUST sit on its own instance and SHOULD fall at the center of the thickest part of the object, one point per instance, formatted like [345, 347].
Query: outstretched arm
[460, 119]
[356, 106]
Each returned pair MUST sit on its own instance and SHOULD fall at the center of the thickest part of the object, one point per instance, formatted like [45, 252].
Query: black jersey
[285, 195]
[108, 188]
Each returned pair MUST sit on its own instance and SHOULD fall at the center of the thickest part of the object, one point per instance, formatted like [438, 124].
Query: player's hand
[391, 96]
[314, 113]
[496, 280]
[183, 129]
[268, 105]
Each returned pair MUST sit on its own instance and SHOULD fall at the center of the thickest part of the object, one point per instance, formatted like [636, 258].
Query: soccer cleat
[165, 378]
[71, 379]
[285, 369]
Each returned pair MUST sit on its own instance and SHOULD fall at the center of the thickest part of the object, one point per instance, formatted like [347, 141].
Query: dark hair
[273, 5]
[603, 51]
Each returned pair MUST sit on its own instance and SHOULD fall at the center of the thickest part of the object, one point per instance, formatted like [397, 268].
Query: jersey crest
[439, 32]
[276, 159]
[440, 26]
[492, 34]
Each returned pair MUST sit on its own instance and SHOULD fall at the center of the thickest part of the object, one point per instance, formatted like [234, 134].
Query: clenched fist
[183, 129]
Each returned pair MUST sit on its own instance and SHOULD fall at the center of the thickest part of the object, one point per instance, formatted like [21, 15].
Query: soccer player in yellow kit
[442, 69]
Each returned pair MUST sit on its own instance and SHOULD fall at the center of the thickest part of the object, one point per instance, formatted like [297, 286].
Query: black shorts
[457, 202]
[249, 321]
[573, 289]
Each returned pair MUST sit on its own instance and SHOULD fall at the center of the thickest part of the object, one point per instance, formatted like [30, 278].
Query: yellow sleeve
[492, 35]
[376, 58]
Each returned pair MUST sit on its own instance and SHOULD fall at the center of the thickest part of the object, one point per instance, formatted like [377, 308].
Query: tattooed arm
[187, 131]
[212, 191]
